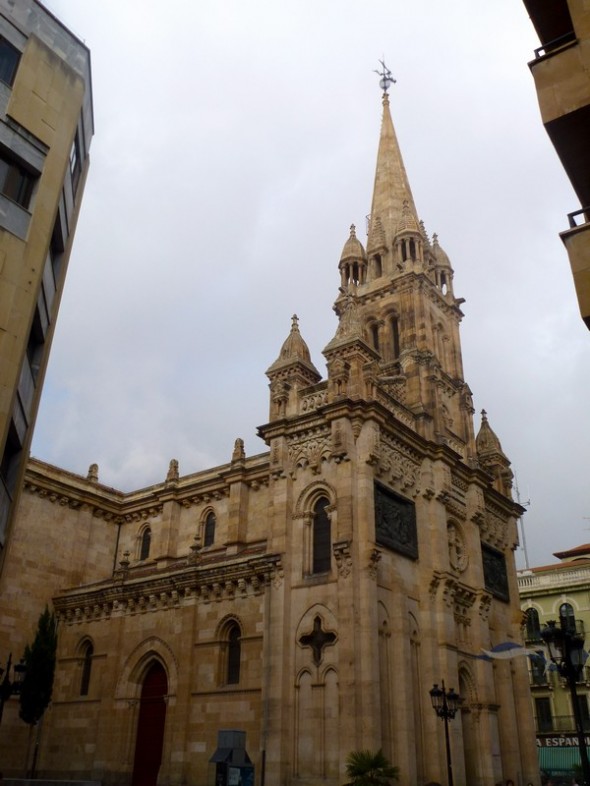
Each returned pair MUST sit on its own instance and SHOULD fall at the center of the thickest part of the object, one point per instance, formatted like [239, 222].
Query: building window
[209, 536]
[234, 652]
[538, 669]
[9, 57]
[321, 537]
[543, 713]
[377, 266]
[532, 626]
[146, 542]
[394, 325]
[75, 163]
[566, 614]
[88, 652]
[374, 328]
[16, 183]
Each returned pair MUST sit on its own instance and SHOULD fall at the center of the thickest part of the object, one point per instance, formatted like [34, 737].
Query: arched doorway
[150, 727]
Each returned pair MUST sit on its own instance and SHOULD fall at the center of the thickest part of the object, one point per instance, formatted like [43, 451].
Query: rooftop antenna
[521, 521]
[386, 78]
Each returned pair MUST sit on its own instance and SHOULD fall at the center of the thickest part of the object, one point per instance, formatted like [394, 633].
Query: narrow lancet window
[322, 542]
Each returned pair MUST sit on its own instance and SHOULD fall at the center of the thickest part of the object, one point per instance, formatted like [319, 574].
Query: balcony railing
[551, 46]
[571, 217]
[560, 723]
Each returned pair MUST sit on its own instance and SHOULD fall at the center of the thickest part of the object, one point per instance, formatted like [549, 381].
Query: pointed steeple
[391, 190]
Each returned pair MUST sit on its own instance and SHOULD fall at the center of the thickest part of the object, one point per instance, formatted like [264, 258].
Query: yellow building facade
[543, 592]
[46, 126]
[308, 597]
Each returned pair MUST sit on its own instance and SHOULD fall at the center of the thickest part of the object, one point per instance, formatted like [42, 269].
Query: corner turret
[492, 458]
[291, 371]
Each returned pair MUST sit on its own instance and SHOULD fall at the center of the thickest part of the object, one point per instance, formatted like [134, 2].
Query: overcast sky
[235, 144]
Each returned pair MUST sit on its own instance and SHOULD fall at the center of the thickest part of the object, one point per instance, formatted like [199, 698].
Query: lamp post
[446, 703]
[10, 687]
[566, 649]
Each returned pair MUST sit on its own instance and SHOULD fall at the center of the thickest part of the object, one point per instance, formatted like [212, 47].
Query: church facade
[309, 596]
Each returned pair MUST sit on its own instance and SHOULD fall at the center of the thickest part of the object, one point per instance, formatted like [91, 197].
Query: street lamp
[10, 687]
[566, 649]
[446, 703]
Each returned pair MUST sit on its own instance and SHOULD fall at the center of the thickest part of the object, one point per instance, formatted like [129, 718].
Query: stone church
[310, 596]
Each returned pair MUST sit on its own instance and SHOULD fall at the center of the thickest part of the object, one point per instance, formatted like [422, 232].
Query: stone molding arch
[466, 677]
[323, 675]
[310, 494]
[306, 622]
[305, 671]
[81, 645]
[414, 627]
[225, 622]
[137, 663]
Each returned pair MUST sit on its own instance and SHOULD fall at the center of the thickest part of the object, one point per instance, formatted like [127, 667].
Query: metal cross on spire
[386, 78]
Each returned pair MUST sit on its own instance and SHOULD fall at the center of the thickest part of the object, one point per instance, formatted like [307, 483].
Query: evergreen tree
[39, 659]
[365, 768]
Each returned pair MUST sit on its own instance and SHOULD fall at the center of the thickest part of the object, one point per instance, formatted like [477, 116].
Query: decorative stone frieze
[225, 581]
[394, 464]
[309, 450]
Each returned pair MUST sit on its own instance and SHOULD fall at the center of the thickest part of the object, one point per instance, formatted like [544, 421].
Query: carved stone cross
[317, 639]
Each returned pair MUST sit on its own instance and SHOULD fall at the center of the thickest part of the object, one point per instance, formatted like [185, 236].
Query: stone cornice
[176, 586]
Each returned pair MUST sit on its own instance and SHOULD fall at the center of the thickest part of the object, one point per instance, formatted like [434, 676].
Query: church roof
[391, 191]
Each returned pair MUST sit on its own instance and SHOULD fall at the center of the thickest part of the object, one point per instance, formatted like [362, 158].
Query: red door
[150, 727]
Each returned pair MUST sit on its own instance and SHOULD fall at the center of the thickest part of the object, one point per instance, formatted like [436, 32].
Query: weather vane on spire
[386, 78]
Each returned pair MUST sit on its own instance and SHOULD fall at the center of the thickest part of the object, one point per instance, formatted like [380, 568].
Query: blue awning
[559, 761]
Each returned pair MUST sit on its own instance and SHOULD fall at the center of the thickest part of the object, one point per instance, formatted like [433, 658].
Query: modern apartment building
[546, 593]
[46, 124]
[561, 70]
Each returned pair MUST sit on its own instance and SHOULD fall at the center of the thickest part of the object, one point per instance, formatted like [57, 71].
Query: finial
[484, 414]
[239, 453]
[352, 230]
[173, 475]
[295, 323]
[386, 78]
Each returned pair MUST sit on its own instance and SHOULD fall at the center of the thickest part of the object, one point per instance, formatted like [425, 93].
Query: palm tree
[365, 768]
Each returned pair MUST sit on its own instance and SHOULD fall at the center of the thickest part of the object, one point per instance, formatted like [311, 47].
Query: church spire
[393, 204]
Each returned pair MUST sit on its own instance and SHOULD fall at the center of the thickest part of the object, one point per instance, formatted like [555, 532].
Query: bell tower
[402, 285]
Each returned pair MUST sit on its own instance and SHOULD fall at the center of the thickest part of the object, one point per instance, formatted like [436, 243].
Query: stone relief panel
[494, 572]
[395, 522]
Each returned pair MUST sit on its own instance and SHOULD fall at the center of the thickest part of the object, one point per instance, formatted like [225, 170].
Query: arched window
[87, 653]
[377, 266]
[209, 536]
[566, 616]
[533, 628]
[146, 541]
[234, 652]
[321, 537]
